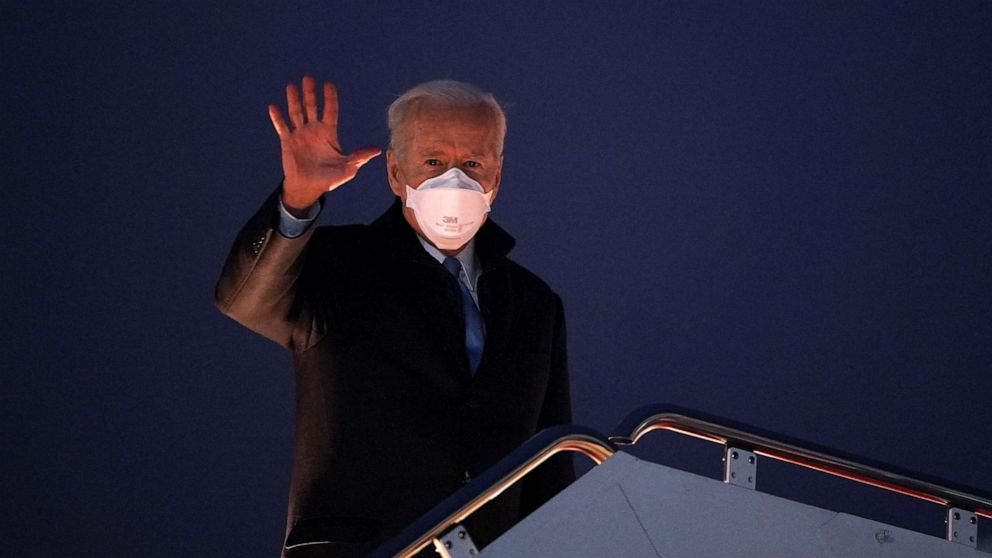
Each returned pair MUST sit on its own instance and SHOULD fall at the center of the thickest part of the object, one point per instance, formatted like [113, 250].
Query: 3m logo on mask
[449, 220]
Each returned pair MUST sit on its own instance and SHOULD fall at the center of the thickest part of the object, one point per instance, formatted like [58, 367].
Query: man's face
[437, 138]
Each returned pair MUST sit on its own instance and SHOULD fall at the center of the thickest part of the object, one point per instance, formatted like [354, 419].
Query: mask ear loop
[411, 197]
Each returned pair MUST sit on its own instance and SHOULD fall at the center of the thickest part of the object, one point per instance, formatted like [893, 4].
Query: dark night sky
[774, 212]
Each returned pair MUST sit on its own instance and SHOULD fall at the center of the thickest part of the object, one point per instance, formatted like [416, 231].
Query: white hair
[445, 92]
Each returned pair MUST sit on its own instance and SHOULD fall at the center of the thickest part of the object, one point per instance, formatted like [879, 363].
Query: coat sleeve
[258, 284]
[558, 472]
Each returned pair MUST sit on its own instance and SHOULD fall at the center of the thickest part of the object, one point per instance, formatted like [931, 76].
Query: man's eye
[471, 164]
[432, 162]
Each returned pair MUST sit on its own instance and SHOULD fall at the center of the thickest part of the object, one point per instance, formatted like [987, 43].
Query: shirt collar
[466, 256]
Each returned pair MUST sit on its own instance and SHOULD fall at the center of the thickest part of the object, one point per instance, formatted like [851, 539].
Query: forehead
[435, 127]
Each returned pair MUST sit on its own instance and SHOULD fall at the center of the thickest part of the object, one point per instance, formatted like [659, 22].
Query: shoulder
[371, 239]
[330, 233]
[529, 283]
[525, 276]
[342, 240]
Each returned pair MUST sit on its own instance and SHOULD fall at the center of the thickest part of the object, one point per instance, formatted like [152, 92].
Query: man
[422, 354]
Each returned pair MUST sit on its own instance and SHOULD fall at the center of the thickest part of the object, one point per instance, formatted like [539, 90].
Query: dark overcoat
[389, 420]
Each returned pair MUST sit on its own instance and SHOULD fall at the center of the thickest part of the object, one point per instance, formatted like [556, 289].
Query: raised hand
[312, 160]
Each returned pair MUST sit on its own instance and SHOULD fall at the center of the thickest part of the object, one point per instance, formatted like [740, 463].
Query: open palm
[312, 160]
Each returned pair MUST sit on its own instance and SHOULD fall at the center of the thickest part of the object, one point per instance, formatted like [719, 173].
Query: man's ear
[392, 173]
[499, 174]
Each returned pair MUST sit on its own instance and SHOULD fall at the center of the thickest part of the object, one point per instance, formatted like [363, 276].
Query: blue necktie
[475, 329]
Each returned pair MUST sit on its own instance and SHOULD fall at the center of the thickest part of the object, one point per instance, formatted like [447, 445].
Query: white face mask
[449, 208]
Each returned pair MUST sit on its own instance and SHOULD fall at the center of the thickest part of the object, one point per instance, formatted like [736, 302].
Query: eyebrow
[437, 152]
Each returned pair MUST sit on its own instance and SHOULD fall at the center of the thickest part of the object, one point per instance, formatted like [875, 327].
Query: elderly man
[422, 353]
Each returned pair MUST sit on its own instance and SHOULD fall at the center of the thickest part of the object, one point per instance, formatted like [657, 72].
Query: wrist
[297, 206]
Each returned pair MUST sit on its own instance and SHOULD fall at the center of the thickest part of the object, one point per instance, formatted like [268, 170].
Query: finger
[293, 104]
[310, 98]
[365, 154]
[277, 122]
[330, 105]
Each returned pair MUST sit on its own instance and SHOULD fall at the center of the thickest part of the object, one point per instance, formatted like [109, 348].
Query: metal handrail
[493, 482]
[658, 417]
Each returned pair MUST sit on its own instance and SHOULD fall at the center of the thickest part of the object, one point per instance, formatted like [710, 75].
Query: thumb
[365, 154]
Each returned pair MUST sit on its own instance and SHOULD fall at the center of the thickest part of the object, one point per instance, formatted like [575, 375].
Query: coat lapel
[435, 297]
[496, 299]
[499, 313]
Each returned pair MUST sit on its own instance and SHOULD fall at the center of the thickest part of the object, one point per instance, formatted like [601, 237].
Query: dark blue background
[778, 213]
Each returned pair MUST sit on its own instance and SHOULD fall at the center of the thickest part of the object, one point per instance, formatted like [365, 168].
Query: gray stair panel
[626, 507]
